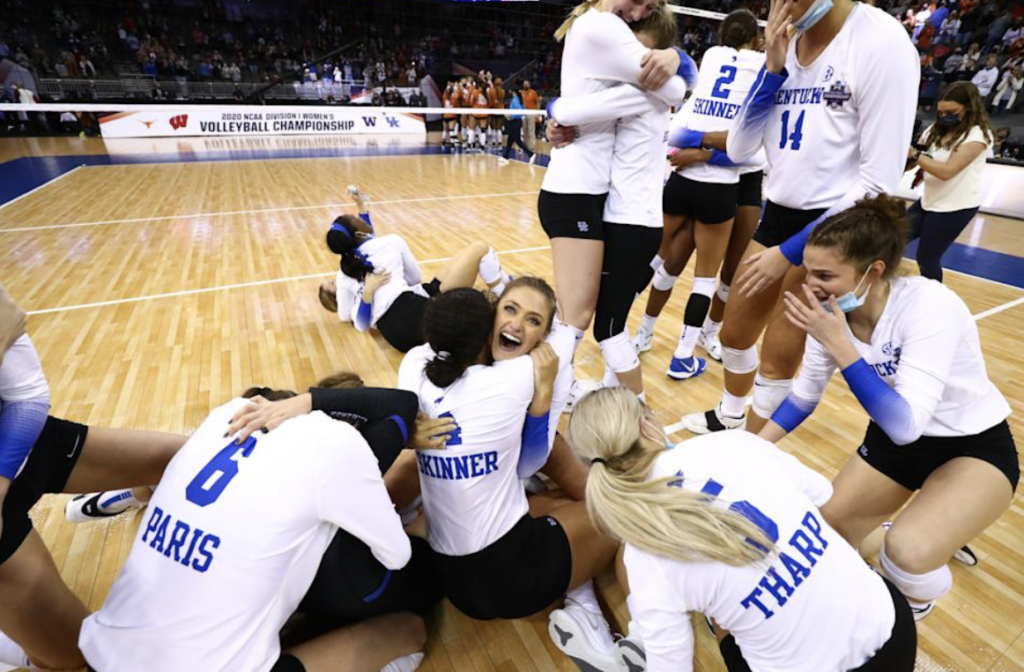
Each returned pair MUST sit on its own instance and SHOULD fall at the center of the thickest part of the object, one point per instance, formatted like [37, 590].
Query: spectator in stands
[1006, 93]
[996, 31]
[69, 122]
[952, 64]
[530, 101]
[1012, 34]
[931, 80]
[986, 78]
[950, 28]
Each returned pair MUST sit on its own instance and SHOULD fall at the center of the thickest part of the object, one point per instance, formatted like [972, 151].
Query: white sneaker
[631, 654]
[920, 613]
[712, 421]
[404, 664]
[580, 389]
[502, 161]
[711, 345]
[100, 505]
[966, 556]
[584, 637]
[642, 340]
[533, 159]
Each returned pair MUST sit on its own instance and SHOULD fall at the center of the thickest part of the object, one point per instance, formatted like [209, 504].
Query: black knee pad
[696, 310]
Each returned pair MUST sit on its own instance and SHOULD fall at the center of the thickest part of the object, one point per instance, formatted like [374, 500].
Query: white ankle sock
[733, 406]
[585, 596]
[648, 322]
[711, 327]
[12, 654]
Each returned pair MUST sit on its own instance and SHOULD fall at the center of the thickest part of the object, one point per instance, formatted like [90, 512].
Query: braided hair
[457, 325]
[341, 239]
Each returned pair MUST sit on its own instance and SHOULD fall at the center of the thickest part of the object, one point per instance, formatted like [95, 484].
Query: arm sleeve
[413, 275]
[533, 453]
[615, 102]
[924, 363]
[816, 370]
[363, 314]
[747, 133]
[616, 54]
[25, 398]
[353, 497]
[389, 416]
[887, 104]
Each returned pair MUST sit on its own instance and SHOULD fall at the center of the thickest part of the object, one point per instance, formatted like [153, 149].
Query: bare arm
[961, 157]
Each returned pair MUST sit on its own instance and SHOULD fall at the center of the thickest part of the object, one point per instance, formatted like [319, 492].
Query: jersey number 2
[210, 482]
[728, 76]
[798, 131]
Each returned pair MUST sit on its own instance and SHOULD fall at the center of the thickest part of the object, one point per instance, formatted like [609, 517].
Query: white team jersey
[726, 77]
[814, 606]
[926, 347]
[231, 542]
[840, 127]
[600, 50]
[472, 495]
[390, 253]
[638, 167]
[21, 374]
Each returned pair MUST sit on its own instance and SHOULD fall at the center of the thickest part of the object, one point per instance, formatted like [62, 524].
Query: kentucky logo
[393, 121]
[837, 96]
[892, 351]
[180, 121]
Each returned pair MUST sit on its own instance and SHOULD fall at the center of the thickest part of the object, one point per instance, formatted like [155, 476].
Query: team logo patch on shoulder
[837, 95]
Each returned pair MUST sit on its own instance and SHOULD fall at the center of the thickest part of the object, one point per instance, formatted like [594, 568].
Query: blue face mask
[669, 445]
[850, 301]
[816, 12]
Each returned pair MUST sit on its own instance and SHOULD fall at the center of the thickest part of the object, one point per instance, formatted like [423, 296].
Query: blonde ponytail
[577, 11]
[674, 522]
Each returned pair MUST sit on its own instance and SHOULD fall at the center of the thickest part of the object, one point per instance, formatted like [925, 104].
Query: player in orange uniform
[452, 98]
[480, 103]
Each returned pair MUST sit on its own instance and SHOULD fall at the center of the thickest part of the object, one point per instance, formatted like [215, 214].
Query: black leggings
[896, 655]
[626, 270]
[514, 135]
[937, 231]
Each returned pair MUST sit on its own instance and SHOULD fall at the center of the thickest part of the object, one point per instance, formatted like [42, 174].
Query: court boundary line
[47, 227]
[240, 285]
[41, 186]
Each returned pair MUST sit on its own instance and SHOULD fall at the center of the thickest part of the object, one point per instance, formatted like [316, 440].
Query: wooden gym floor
[159, 291]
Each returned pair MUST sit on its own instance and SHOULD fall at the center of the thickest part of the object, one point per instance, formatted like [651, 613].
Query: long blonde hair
[577, 11]
[669, 521]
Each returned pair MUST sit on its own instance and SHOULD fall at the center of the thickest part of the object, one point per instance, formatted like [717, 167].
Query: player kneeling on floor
[230, 545]
[729, 526]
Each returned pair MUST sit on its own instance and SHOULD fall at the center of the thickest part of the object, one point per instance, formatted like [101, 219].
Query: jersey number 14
[796, 137]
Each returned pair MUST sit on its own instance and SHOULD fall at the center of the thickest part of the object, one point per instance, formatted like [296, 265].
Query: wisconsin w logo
[180, 121]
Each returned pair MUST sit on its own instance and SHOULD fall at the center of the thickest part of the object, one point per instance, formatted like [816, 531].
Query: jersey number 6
[210, 482]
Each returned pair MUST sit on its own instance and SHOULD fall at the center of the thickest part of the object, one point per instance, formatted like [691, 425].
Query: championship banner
[259, 120]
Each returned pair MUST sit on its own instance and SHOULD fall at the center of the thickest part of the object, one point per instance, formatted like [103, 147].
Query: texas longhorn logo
[180, 121]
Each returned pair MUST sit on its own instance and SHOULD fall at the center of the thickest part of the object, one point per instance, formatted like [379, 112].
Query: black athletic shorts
[572, 215]
[911, 464]
[286, 663]
[779, 223]
[49, 466]
[750, 190]
[705, 202]
[520, 574]
[896, 655]
[402, 324]
[351, 585]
